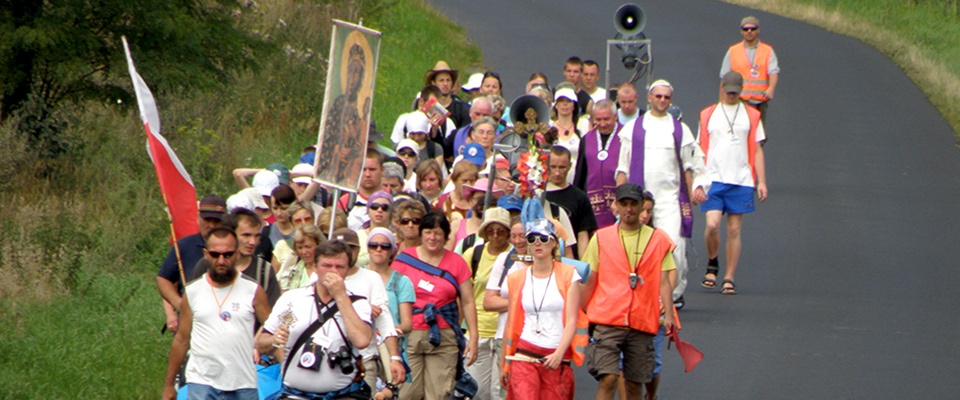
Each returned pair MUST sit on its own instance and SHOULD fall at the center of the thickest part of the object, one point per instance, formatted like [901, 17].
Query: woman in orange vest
[545, 329]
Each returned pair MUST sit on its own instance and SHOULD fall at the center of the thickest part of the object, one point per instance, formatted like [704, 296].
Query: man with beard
[217, 318]
[247, 225]
[188, 251]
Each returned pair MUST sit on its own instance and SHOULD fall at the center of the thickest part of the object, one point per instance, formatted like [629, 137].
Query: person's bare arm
[240, 176]
[173, 321]
[583, 238]
[492, 301]
[168, 290]
[468, 303]
[666, 299]
[406, 317]
[178, 350]
[761, 174]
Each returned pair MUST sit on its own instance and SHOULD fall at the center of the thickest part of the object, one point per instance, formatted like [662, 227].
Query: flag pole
[176, 246]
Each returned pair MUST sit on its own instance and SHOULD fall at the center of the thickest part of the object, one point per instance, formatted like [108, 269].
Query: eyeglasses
[217, 254]
[662, 96]
[380, 206]
[304, 220]
[406, 153]
[749, 28]
[543, 239]
[497, 232]
[382, 246]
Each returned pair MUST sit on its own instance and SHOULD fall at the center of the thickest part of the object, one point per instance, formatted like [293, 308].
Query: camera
[341, 358]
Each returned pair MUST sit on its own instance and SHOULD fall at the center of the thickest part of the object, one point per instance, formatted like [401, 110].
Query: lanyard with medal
[731, 122]
[602, 153]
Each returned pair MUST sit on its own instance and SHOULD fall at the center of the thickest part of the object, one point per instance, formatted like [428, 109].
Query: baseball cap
[302, 173]
[473, 83]
[751, 20]
[629, 191]
[732, 82]
[417, 122]
[541, 226]
[408, 144]
[475, 153]
[238, 201]
[566, 93]
[213, 206]
[265, 181]
[346, 235]
[283, 173]
[255, 197]
[510, 202]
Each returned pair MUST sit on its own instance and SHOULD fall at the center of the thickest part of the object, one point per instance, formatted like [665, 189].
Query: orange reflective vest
[755, 77]
[613, 302]
[752, 114]
[511, 336]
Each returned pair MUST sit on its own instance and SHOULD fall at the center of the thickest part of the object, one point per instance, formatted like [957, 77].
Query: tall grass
[922, 36]
[81, 236]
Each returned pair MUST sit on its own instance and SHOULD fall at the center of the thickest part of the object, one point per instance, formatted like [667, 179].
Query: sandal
[707, 282]
[732, 289]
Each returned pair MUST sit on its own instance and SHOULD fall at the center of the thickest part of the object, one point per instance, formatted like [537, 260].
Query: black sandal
[732, 289]
[707, 282]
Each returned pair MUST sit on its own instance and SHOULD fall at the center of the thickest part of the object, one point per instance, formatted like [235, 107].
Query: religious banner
[347, 100]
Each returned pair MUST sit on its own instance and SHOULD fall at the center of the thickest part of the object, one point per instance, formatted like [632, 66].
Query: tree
[52, 51]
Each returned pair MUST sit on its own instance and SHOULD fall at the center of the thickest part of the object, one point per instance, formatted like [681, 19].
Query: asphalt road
[848, 274]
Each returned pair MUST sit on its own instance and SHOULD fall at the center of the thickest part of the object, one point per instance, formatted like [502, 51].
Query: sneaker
[678, 303]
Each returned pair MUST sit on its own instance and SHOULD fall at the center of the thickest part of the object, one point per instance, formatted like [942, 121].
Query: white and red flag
[177, 188]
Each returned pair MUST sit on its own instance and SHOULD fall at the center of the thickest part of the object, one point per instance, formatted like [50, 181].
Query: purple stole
[636, 170]
[601, 179]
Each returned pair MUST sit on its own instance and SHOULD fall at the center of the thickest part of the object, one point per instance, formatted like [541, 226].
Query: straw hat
[441, 67]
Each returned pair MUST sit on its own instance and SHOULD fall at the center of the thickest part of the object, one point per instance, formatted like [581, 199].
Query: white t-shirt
[494, 284]
[727, 160]
[598, 95]
[299, 304]
[543, 310]
[368, 284]
[221, 341]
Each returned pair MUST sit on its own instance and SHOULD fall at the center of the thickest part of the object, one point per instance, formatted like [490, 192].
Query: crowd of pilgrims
[429, 200]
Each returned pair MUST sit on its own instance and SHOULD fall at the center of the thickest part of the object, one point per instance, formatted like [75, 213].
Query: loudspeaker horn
[629, 20]
[527, 102]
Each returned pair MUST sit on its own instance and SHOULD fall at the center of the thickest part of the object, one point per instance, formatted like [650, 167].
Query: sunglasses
[662, 96]
[382, 246]
[407, 221]
[217, 254]
[304, 220]
[492, 74]
[406, 153]
[543, 239]
[749, 28]
[380, 206]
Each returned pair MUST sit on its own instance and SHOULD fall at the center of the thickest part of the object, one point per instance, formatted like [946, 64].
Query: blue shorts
[731, 199]
[203, 392]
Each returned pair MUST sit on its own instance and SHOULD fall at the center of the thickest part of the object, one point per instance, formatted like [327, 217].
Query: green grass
[922, 36]
[81, 236]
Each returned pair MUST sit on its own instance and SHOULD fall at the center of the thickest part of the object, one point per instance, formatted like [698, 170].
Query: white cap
[255, 198]
[474, 82]
[302, 173]
[239, 201]
[409, 144]
[265, 181]
[417, 121]
[567, 93]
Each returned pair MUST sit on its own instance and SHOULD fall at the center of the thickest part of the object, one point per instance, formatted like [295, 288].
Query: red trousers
[533, 381]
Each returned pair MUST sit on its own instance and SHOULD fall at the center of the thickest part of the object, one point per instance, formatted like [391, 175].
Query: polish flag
[177, 188]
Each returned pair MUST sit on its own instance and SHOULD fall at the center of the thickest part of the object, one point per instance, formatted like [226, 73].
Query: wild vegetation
[83, 230]
[922, 36]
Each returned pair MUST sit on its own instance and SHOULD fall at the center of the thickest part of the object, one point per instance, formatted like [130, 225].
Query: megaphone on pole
[629, 20]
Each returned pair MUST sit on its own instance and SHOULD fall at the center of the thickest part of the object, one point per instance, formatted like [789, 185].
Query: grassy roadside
[921, 36]
[81, 237]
